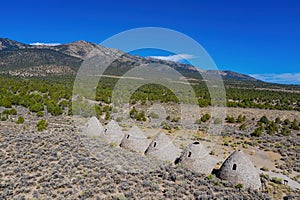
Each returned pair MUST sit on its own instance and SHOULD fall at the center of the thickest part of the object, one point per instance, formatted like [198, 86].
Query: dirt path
[293, 184]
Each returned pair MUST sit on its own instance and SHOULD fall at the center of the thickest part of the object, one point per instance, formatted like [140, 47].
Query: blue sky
[261, 38]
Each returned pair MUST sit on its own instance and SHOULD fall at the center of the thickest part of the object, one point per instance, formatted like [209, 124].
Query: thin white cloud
[174, 58]
[284, 78]
[45, 44]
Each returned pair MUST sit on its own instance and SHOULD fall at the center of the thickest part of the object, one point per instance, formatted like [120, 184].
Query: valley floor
[60, 162]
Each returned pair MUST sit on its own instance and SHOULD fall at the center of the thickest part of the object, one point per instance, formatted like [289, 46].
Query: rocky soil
[60, 163]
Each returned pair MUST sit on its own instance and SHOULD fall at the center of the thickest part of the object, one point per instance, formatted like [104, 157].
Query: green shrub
[265, 176]
[42, 125]
[264, 168]
[175, 119]
[272, 128]
[212, 152]
[276, 180]
[132, 112]
[133, 102]
[12, 111]
[257, 132]
[205, 117]
[239, 186]
[70, 111]
[107, 115]
[40, 114]
[98, 110]
[285, 131]
[210, 176]
[165, 126]
[286, 122]
[295, 125]
[108, 108]
[54, 109]
[139, 116]
[264, 120]
[278, 120]
[20, 120]
[6, 103]
[36, 107]
[243, 127]
[240, 119]
[63, 103]
[230, 119]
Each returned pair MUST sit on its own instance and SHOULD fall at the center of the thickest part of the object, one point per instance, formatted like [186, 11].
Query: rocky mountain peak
[7, 44]
[79, 49]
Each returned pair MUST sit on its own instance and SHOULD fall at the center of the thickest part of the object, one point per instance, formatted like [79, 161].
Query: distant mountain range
[26, 60]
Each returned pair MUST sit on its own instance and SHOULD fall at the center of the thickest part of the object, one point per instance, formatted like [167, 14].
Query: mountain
[7, 44]
[230, 75]
[79, 49]
[29, 60]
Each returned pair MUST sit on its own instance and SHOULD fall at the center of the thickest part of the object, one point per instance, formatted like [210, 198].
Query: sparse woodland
[42, 156]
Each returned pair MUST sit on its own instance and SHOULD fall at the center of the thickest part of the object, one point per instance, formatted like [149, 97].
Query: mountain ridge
[15, 55]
